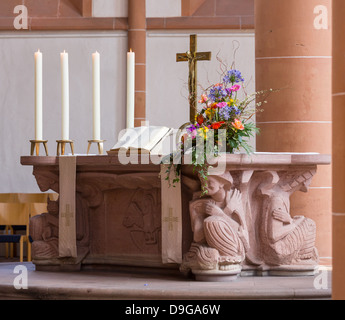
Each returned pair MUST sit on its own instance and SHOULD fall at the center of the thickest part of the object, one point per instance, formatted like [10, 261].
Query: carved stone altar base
[243, 225]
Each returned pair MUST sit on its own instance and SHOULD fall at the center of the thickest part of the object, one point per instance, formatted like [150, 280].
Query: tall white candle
[38, 96]
[130, 88]
[65, 95]
[96, 96]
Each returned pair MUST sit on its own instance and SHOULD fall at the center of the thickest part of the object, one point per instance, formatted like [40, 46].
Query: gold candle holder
[61, 146]
[35, 144]
[99, 143]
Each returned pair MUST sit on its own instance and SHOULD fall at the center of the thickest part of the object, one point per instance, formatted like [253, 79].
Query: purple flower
[233, 76]
[217, 93]
[191, 128]
[229, 91]
[192, 131]
[227, 112]
[224, 113]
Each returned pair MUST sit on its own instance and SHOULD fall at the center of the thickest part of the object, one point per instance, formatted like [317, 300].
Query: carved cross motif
[170, 219]
[68, 215]
[192, 56]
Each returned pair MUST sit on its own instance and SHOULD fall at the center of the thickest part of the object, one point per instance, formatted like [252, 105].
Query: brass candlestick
[99, 143]
[35, 144]
[61, 145]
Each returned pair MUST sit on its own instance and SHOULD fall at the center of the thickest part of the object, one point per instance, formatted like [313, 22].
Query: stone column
[338, 204]
[137, 42]
[293, 53]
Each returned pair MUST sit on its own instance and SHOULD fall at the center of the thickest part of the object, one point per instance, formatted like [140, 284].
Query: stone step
[124, 283]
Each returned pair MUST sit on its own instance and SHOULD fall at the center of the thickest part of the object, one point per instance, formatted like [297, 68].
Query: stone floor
[123, 284]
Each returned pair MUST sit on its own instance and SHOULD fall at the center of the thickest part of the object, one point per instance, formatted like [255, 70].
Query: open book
[145, 139]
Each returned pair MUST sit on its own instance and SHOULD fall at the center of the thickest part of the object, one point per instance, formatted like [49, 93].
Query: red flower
[217, 125]
[200, 119]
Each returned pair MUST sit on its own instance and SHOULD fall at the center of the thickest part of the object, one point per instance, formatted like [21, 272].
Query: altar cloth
[67, 218]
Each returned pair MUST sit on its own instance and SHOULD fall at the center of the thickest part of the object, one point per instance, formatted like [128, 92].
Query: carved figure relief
[286, 240]
[226, 221]
[44, 231]
[45, 245]
[220, 230]
[142, 218]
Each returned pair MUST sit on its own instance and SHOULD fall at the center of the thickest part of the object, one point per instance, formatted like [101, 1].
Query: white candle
[130, 88]
[96, 96]
[65, 95]
[38, 96]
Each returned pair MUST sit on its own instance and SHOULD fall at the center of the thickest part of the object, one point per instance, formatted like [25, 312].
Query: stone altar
[243, 226]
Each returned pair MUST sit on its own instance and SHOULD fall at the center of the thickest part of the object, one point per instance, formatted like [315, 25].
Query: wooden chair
[15, 214]
[8, 198]
[3, 231]
[36, 202]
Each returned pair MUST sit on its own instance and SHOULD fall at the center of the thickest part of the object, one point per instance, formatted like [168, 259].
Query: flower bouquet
[221, 109]
[224, 124]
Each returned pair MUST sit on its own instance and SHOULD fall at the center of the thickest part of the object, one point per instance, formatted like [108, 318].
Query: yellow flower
[208, 112]
[202, 132]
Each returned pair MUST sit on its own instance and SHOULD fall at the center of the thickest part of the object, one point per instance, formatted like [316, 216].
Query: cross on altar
[67, 215]
[170, 219]
[192, 56]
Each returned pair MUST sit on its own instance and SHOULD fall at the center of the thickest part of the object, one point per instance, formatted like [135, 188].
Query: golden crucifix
[192, 56]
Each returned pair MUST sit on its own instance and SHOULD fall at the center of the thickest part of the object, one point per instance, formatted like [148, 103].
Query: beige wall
[119, 8]
[163, 8]
[110, 8]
